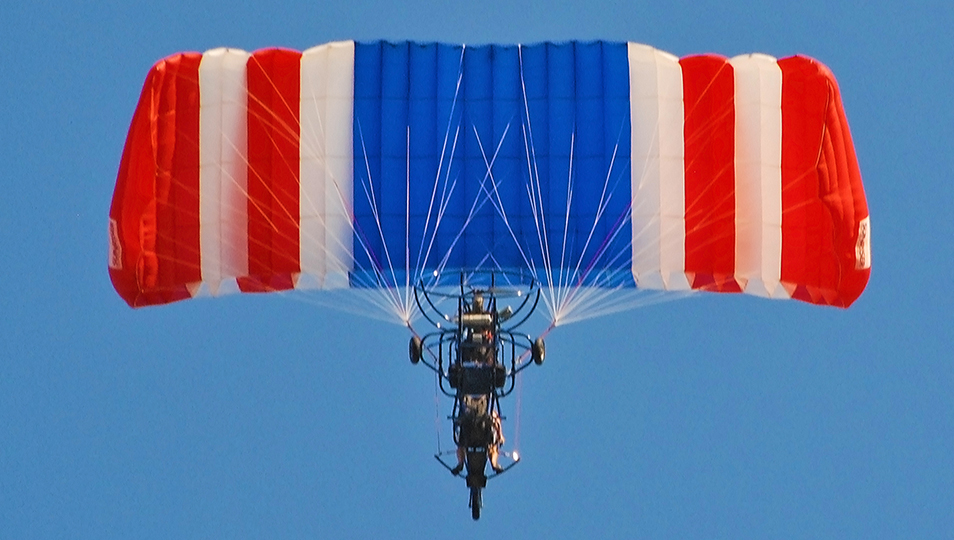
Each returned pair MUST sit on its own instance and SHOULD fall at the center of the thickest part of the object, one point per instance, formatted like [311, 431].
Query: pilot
[477, 428]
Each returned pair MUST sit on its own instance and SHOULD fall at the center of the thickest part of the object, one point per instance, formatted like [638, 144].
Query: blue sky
[266, 417]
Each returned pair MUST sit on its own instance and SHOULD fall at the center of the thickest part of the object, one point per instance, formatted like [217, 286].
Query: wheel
[414, 349]
[538, 351]
[475, 503]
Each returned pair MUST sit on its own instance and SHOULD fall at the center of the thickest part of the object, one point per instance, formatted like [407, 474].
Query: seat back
[481, 379]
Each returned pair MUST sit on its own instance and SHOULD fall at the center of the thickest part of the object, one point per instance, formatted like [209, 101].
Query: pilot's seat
[476, 378]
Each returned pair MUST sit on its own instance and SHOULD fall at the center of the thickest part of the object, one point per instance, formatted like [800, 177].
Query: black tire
[414, 349]
[475, 503]
[538, 351]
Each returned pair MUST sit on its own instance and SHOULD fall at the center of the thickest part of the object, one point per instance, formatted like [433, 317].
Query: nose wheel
[475, 503]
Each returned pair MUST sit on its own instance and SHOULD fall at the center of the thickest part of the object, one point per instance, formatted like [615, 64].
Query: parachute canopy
[607, 166]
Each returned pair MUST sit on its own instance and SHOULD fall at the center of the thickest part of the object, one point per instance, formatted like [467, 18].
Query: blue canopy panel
[452, 143]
